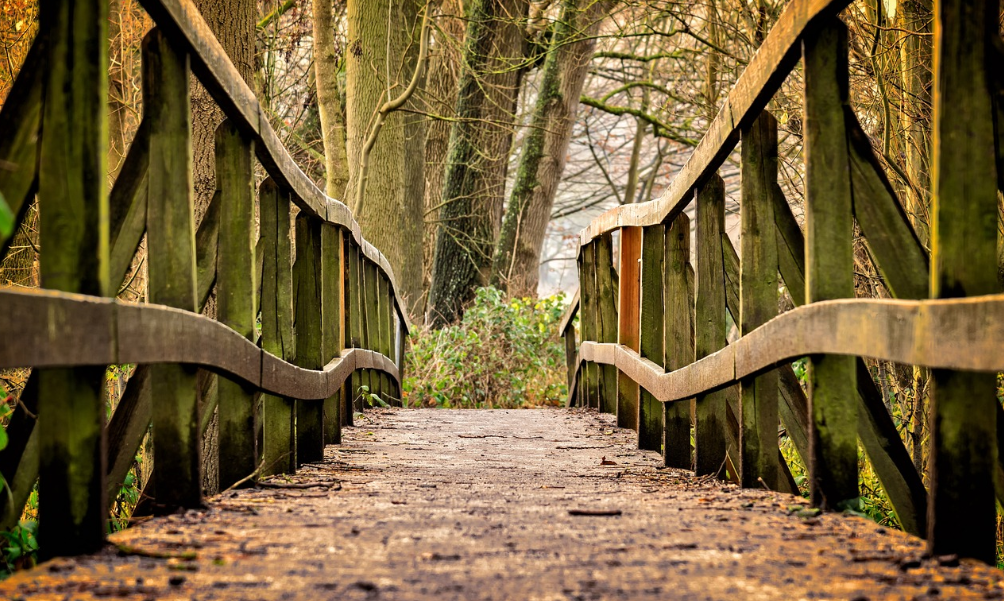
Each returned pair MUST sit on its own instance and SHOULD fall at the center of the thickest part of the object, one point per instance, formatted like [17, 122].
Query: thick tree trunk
[480, 141]
[382, 54]
[233, 23]
[329, 100]
[517, 256]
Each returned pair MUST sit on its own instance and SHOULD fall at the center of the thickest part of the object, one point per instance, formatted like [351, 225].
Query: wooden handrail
[758, 83]
[63, 330]
[183, 23]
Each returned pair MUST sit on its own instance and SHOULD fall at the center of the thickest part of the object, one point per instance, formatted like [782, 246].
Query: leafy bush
[505, 353]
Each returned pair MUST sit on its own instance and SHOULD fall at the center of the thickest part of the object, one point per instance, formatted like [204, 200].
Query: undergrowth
[504, 353]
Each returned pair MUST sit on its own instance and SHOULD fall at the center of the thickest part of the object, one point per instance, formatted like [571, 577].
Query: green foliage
[6, 218]
[373, 400]
[505, 353]
[19, 549]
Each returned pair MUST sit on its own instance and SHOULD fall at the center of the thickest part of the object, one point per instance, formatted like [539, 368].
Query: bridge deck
[478, 505]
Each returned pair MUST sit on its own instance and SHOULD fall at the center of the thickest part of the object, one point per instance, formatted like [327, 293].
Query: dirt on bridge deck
[436, 504]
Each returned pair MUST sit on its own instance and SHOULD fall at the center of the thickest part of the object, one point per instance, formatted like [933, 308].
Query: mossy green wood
[964, 263]
[171, 267]
[758, 300]
[383, 333]
[354, 293]
[371, 323]
[386, 338]
[605, 300]
[307, 327]
[589, 320]
[829, 258]
[235, 297]
[628, 305]
[74, 233]
[679, 339]
[710, 424]
[332, 321]
[653, 310]
[278, 413]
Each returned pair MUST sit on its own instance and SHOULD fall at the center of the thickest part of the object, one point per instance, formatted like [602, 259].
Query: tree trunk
[329, 100]
[440, 100]
[478, 155]
[517, 256]
[382, 53]
[233, 23]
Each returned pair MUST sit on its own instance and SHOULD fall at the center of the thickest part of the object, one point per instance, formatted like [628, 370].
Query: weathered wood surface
[654, 313]
[679, 339]
[570, 312]
[628, 307]
[964, 263]
[186, 27]
[829, 224]
[607, 320]
[758, 83]
[307, 324]
[589, 323]
[332, 318]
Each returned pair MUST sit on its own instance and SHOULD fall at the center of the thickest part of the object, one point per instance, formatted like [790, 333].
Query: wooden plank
[710, 429]
[206, 249]
[758, 300]
[235, 297]
[386, 336]
[74, 234]
[332, 319]
[829, 257]
[628, 307]
[589, 323]
[20, 117]
[679, 344]
[307, 324]
[883, 221]
[654, 311]
[790, 248]
[371, 325]
[964, 263]
[605, 300]
[278, 413]
[355, 288]
[127, 205]
[129, 424]
[171, 268]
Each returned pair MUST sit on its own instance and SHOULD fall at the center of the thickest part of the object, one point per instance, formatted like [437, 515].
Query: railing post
[605, 300]
[74, 234]
[758, 419]
[679, 347]
[307, 324]
[588, 319]
[332, 320]
[652, 343]
[278, 413]
[386, 338]
[829, 259]
[628, 306]
[172, 281]
[964, 263]
[235, 297]
[354, 289]
[710, 436]
[371, 325]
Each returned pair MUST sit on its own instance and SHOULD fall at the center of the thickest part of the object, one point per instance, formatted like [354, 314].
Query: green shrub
[505, 353]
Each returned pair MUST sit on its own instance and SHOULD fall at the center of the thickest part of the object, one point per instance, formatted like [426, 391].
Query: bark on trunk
[329, 100]
[478, 155]
[382, 53]
[517, 256]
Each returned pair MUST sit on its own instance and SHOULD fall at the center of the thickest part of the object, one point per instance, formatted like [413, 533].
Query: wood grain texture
[332, 320]
[829, 252]
[963, 263]
[589, 322]
[654, 313]
[607, 321]
[679, 343]
[710, 433]
[307, 325]
[628, 307]
[127, 205]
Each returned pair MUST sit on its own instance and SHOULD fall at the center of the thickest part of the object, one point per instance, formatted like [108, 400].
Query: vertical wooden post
[355, 295]
[332, 318]
[829, 259]
[235, 296]
[386, 337]
[710, 435]
[758, 301]
[679, 344]
[172, 281]
[589, 320]
[371, 323]
[963, 246]
[307, 300]
[278, 413]
[605, 300]
[571, 353]
[628, 306]
[653, 347]
[74, 233]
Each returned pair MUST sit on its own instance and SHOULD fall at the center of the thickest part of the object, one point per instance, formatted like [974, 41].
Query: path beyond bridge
[528, 504]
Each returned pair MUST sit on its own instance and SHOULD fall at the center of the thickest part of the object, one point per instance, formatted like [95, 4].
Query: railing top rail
[759, 82]
[184, 25]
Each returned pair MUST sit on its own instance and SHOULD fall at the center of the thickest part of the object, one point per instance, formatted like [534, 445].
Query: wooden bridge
[652, 350]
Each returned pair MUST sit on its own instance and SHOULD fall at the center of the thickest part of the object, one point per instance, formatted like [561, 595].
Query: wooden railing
[653, 330]
[293, 343]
